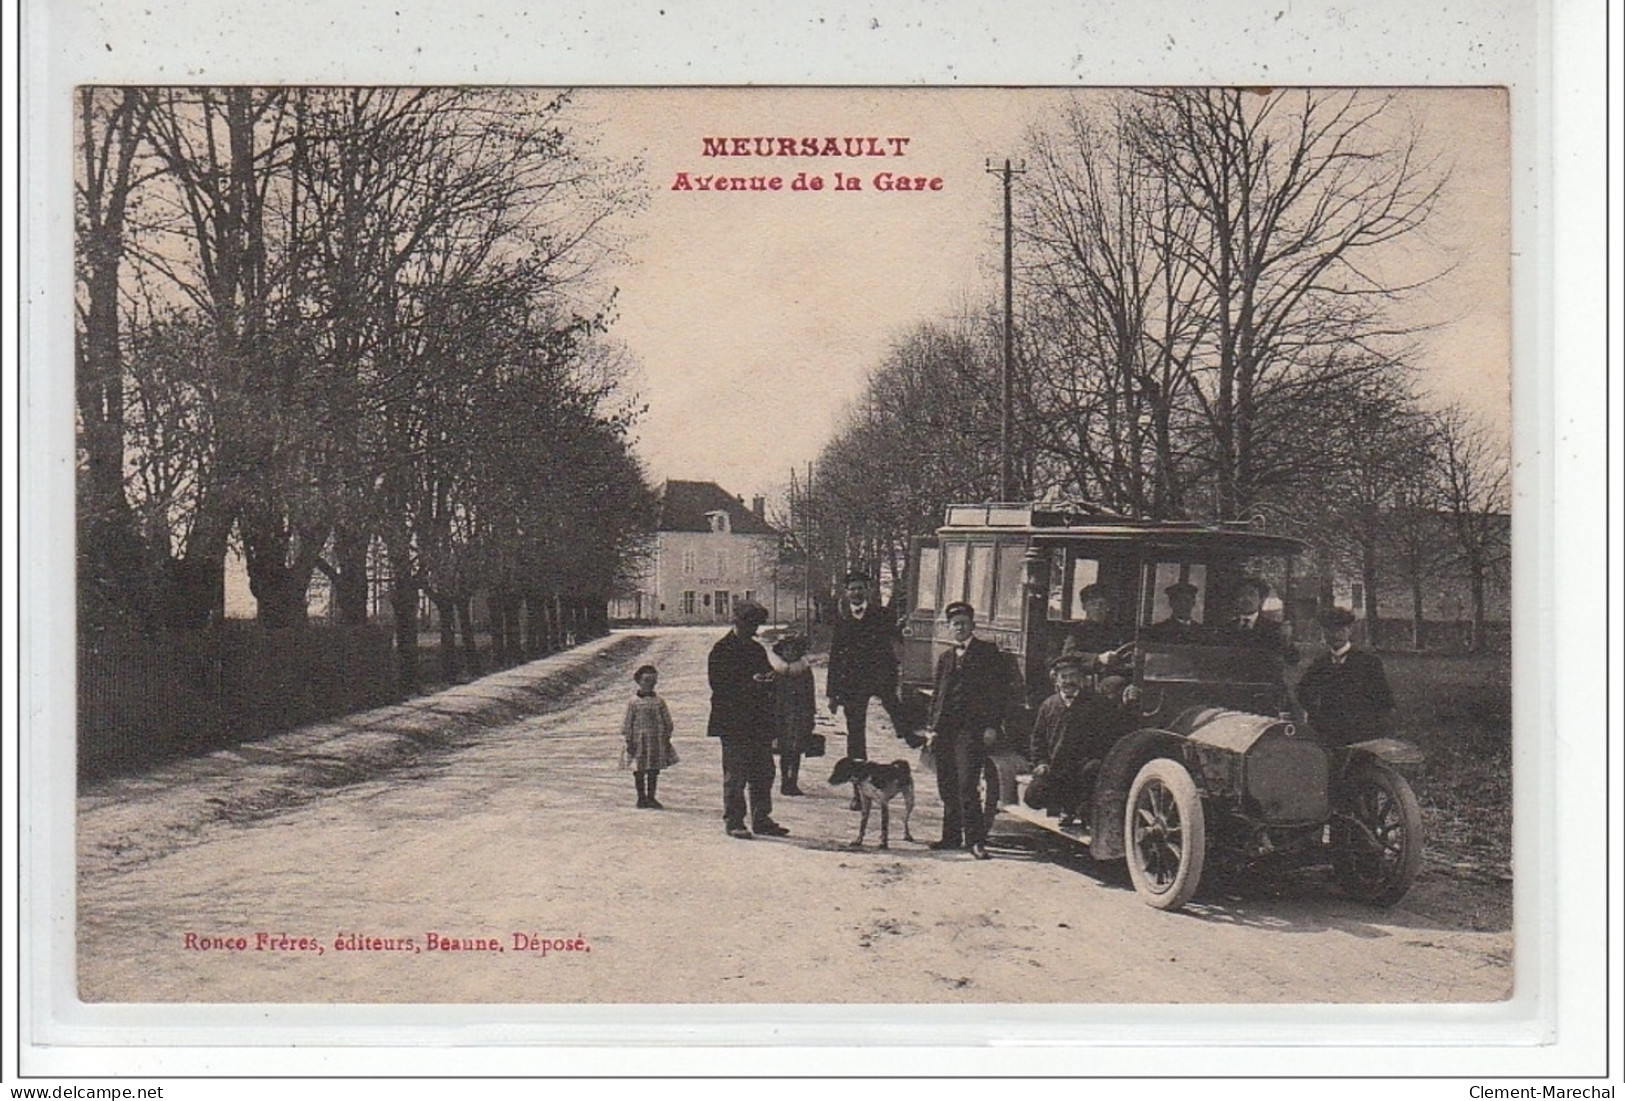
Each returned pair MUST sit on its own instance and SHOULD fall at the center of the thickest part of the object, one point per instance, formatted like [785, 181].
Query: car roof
[1067, 522]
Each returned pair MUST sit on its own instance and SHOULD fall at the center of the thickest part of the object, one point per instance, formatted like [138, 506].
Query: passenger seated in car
[1071, 734]
[1104, 648]
[1251, 625]
[1181, 624]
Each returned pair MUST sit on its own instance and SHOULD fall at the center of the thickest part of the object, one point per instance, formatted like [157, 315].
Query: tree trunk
[1368, 578]
[194, 590]
[534, 603]
[1416, 610]
[499, 642]
[446, 612]
[403, 601]
[512, 629]
[281, 587]
[350, 577]
[471, 644]
[282, 599]
[1477, 583]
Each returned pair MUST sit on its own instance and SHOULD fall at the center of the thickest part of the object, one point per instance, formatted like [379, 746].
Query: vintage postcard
[800, 546]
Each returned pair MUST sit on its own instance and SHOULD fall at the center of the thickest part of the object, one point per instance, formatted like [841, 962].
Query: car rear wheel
[1165, 834]
[1376, 834]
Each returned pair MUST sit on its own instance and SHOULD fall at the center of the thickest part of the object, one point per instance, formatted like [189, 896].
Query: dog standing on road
[877, 783]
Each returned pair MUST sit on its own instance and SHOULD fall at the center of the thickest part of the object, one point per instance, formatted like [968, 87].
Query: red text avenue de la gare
[768, 146]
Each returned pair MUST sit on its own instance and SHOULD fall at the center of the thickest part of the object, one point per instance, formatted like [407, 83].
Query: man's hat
[1181, 587]
[1336, 617]
[748, 611]
[855, 575]
[1066, 659]
[958, 607]
[791, 641]
[1091, 592]
[1258, 585]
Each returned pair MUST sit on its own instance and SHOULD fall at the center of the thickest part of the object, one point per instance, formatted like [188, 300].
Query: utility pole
[806, 562]
[1007, 487]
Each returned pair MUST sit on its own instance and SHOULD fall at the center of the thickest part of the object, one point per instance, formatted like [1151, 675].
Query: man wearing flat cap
[973, 685]
[1071, 734]
[1345, 690]
[742, 716]
[863, 666]
[1103, 647]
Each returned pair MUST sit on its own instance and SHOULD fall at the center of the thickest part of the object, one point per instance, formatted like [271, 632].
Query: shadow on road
[1304, 900]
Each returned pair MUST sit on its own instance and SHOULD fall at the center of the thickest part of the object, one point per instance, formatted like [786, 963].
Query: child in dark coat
[795, 708]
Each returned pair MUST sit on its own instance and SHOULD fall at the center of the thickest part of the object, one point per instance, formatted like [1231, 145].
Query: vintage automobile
[1210, 761]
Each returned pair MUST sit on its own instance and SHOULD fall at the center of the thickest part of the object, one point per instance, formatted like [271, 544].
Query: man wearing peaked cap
[973, 683]
[1181, 624]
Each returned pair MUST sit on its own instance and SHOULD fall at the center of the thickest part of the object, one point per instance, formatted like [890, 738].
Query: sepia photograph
[848, 546]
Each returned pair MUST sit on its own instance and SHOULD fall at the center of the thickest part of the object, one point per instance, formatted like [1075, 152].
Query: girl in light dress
[646, 732]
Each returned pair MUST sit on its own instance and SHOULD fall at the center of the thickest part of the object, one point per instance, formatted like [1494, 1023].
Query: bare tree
[1109, 317]
[924, 432]
[1296, 198]
[1475, 490]
[112, 125]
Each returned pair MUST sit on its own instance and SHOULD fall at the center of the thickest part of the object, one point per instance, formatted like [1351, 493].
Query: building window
[750, 595]
[719, 520]
[690, 561]
[722, 563]
[688, 602]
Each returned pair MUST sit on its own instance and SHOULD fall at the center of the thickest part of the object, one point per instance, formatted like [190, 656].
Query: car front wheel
[1165, 834]
[1376, 834]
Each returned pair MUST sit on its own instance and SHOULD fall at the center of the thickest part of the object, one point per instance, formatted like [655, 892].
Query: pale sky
[757, 316]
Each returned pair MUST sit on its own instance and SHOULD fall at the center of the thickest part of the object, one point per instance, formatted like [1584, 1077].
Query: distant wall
[144, 698]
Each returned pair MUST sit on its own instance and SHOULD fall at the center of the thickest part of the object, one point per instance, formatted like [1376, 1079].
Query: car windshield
[1194, 600]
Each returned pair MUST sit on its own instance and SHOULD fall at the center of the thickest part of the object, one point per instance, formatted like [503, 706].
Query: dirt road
[520, 845]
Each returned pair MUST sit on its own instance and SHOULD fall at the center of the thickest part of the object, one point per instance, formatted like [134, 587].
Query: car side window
[1085, 572]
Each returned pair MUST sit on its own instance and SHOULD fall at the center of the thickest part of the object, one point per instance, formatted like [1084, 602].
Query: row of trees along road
[1210, 325]
[351, 329]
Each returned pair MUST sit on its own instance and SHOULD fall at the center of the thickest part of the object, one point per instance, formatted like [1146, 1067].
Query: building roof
[686, 506]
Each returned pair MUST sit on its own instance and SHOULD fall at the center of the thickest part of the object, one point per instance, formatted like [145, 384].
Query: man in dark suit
[742, 716]
[1103, 648]
[1181, 624]
[863, 666]
[1252, 626]
[972, 692]
[1071, 734]
[1345, 691]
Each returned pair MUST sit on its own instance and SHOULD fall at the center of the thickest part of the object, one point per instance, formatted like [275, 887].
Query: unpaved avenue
[529, 829]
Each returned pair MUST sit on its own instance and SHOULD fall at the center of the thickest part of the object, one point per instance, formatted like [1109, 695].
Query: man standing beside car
[972, 691]
[1345, 690]
[863, 666]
